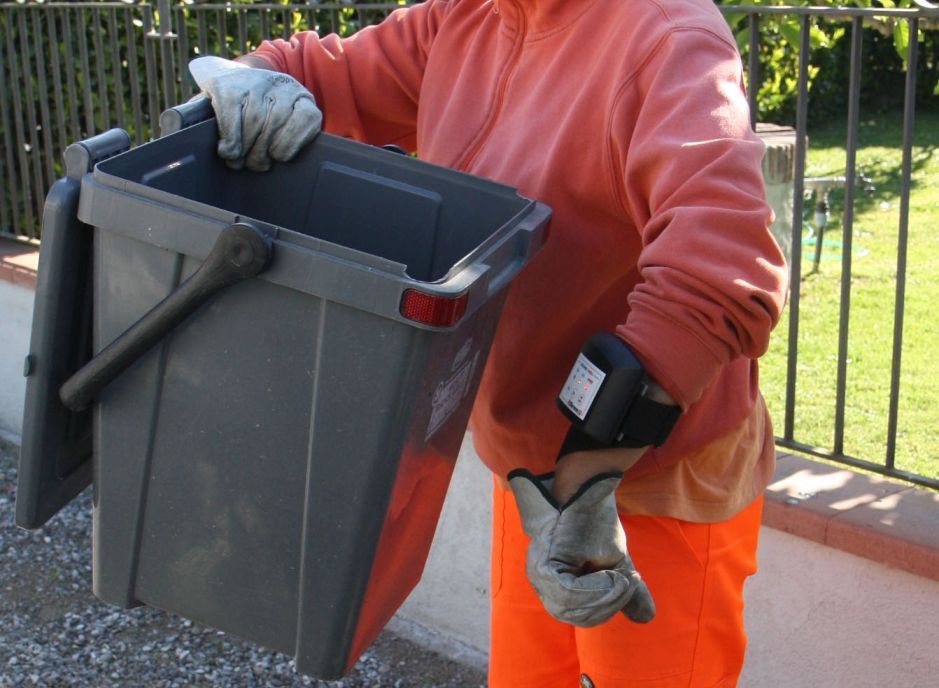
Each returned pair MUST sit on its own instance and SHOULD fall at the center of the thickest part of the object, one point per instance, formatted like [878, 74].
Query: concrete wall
[16, 312]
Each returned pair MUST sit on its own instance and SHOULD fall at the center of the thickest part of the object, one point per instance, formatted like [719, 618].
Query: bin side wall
[452, 369]
[249, 464]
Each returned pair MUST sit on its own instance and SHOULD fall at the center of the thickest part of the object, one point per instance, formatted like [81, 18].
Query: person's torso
[523, 94]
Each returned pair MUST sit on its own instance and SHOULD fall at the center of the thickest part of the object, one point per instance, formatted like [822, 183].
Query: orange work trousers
[695, 572]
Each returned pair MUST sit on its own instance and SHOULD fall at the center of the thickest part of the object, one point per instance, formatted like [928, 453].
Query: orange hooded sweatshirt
[628, 118]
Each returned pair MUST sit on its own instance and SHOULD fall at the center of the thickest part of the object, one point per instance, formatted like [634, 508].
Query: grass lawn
[873, 290]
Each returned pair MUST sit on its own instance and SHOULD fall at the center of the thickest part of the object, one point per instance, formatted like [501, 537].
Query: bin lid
[55, 454]
[56, 450]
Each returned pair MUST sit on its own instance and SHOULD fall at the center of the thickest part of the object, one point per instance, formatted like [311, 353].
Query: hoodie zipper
[507, 73]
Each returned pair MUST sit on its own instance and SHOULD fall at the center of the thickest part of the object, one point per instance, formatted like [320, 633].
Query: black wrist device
[605, 398]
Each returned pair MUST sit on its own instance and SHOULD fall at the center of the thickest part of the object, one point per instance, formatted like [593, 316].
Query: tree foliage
[885, 49]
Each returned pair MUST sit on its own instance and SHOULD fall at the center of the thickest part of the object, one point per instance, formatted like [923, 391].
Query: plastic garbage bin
[271, 452]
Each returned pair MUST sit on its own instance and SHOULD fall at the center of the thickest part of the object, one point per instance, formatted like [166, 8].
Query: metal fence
[855, 18]
[68, 70]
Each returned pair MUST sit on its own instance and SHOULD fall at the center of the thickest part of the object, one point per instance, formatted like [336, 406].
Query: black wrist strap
[648, 422]
[575, 441]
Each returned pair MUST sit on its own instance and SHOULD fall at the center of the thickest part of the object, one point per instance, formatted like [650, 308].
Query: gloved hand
[262, 114]
[577, 559]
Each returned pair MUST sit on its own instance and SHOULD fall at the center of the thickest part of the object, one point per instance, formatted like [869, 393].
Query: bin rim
[102, 174]
[280, 234]
[165, 225]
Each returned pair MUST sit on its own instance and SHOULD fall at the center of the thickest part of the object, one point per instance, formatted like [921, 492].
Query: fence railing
[855, 18]
[68, 70]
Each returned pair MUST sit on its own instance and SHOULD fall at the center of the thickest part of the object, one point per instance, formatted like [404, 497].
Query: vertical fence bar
[47, 149]
[70, 86]
[104, 104]
[117, 75]
[5, 180]
[265, 24]
[854, 104]
[795, 268]
[19, 138]
[150, 70]
[32, 125]
[85, 73]
[285, 18]
[9, 214]
[59, 105]
[753, 67]
[909, 107]
[167, 71]
[203, 31]
[242, 32]
[133, 66]
[182, 45]
[222, 33]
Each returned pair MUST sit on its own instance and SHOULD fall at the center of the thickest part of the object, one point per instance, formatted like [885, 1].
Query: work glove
[262, 115]
[577, 559]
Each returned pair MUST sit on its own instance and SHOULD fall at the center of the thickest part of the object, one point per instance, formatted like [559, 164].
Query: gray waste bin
[269, 460]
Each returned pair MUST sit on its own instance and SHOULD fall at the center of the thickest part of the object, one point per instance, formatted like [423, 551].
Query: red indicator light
[433, 309]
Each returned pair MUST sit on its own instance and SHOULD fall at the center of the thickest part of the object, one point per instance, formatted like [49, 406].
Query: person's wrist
[574, 469]
[255, 61]
[657, 393]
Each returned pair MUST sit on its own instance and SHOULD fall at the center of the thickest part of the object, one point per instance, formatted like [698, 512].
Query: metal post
[795, 267]
[854, 100]
[132, 68]
[166, 37]
[183, 54]
[909, 106]
[104, 107]
[59, 103]
[47, 150]
[116, 71]
[753, 67]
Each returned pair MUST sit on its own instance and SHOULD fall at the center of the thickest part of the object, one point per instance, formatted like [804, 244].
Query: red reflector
[433, 309]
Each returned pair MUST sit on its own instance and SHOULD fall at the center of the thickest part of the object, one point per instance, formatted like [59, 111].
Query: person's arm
[688, 172]
[713, 279]
[269, 104]
[368, 84]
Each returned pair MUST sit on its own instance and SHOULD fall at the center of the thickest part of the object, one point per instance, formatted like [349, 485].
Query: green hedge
[883, 71]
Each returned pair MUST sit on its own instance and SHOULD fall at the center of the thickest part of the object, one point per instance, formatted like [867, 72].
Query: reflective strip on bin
[433, 309]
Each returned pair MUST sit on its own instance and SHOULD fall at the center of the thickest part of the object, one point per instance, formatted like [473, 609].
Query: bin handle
[529, 236]
[176, 118]
[240, 252]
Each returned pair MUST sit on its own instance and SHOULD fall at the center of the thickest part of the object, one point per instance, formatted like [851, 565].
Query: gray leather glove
[577, 559]
[261, 114]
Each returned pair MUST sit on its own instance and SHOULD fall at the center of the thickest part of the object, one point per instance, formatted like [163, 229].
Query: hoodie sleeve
[712, 278]
[368, 84]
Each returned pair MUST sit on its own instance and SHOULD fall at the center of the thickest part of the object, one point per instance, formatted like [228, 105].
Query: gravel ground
[54, 633]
